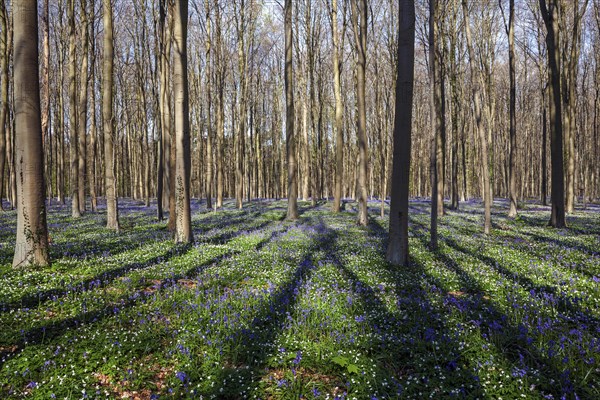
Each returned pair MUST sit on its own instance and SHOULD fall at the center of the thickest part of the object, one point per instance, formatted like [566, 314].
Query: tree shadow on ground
[514, 341]
[269, 322]
[55, 329]
[395, 344]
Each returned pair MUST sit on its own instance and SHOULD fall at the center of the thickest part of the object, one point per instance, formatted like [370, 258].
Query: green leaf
[340, 360]
[352, 369]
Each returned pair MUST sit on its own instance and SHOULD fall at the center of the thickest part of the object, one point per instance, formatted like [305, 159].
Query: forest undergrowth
[259, 307]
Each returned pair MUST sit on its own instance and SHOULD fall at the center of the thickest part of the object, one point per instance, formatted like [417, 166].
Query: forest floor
[262, 308]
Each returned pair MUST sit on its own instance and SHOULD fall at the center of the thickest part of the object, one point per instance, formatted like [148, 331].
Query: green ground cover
[262, 308]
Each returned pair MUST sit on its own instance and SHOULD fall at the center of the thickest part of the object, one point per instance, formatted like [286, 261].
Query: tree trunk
[209, 131]
[92, 166]
[82, 109]
[4, 56]
[160, 156]
[73, 135]
[477, 84]
[112, 216]
[290, 136]
[45, 98]
[31, 247]
[220, 83]
[436, 121]
[440, 105]
[550, 16]
[359, 16]
[398, 251]
[183, 231]
[512, 163]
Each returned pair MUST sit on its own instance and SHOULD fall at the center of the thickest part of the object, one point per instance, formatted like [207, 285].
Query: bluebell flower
[298, 358]
[182, 376]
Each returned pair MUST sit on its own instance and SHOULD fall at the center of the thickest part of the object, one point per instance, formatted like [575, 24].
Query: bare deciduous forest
[422, 176]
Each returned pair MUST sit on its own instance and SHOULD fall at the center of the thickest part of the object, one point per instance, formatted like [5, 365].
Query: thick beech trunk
[31, 247]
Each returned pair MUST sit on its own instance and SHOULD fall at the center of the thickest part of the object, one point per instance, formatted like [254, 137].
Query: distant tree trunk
[436, 120]
[160, 67]
[569, 96]
[220, 123]
[398, 251]
[60, 121]
[544, 190]
[550, 16]
[477, 85]
[290, 136]
[339, 110]
[455, 104]
[92, 167]
[82, 109]
[31, 247]
[112, 221]
[4, 55]
[168, 136]
[544, 121]
[359, 17]
[440, 132]
[183, 231]
[73, 141]
[241, 27]
[172, 168]
[209, 130]
[512, 163]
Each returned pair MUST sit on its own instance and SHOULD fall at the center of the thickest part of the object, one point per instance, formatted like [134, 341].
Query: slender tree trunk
[398, 251]
[436, 120]
[544, 156]
[544, 123]
[73, 135]
[112, 216]
[31, 247]
[168, 134]
[160, 156]
[92, 167]
[512, 163]
[220, 103]
[359, 16]
[290, 136]
[172, 167]
[477, 85]
[4, 56]
[455, 94]
[239, 141]
[82, 108]
[440, 93]
[45, 97]
[210, 88]
[61, 132]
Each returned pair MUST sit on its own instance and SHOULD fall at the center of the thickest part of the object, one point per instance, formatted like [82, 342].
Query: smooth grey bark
[112, 210]
[512, 157]
[290, 135]
[31, 247]
[477, 84]
[73, 134]
[82, 107]
[4, 55]
[183, 222]
[359, 18]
